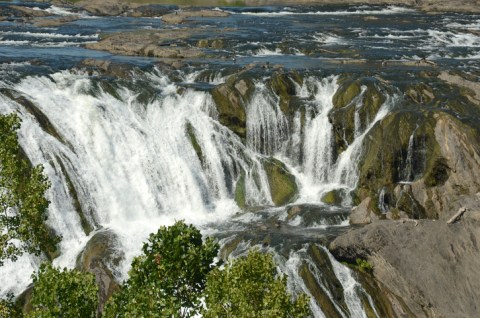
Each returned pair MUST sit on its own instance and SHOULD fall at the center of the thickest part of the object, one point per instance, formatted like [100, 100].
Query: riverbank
[115, 7]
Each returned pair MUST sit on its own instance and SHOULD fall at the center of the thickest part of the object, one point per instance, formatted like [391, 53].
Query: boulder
[100, 256]
[363, 213]
[283, 186]
[181, 16]
[230, 99]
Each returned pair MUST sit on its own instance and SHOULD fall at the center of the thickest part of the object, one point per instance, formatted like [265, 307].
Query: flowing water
[120, 161]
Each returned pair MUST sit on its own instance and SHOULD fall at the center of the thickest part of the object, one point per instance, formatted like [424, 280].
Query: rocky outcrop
[179, 17]
[100, 255]
[163, 44]
[283, 186]
[231, 99]
[356, 104]
[427, 268]
[115, 7]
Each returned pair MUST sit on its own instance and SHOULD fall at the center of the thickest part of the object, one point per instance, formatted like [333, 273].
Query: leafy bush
[169, 278]
[364, 266]
[63, 293]
[7, 308]
[23, 206]
[250, 287]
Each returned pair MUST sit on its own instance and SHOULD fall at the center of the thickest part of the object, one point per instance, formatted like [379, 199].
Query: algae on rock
[283, 186]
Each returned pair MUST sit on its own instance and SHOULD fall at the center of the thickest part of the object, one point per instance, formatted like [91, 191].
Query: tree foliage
[8, 309]
[250, 287]
[63, 293]
[23, 206]
[167, 280]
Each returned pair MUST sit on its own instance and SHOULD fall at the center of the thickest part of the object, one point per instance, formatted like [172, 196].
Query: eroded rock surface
[429, 265]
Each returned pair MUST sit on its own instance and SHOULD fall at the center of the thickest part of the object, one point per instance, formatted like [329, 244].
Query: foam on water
[383, 11]
[131, 163]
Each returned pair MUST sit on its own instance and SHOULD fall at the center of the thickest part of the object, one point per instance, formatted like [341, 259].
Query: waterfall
[351, 288]
[358, 102]
[129, 163]
[267, 125]
[318, 143]
[320, 172]
[408, 173]
[121, 161]
[345, 169]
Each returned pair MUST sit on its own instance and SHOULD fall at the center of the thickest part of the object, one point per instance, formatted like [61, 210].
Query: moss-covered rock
[346, 93]
[212, 44]
[283, 186]
[194, 141]
[230, 99]
[240, 192]
[283, 85]
[420, 93]
[351, 109]
[333, 197]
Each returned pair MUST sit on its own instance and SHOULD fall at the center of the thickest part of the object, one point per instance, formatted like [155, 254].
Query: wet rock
[284, 86]
[24, 300]
[416, 260]
[180, 17]
[212, 44]
[420, 93]
[162, 44]
[334, 197]
[104, 7]
[240, 198]
[353, 110]
[52, 22]
[150, 11]
[230, 99]
[472, 87]
[29, 12]
[100, 257]
[283, 186]
[346, 93]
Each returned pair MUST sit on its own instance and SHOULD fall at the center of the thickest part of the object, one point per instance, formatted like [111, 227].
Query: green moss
[364, 266]
[346, 93]
[332, 197]
[240, 192]
[214, 44]
[438, 173]
[230, 106]
[328, 278]
[420, 93]
[282, 85]
[283, 186]
[194, 142]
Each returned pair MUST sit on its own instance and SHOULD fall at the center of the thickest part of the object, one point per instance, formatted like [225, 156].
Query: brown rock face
[454, 181]
[363, 213]
[431, 267]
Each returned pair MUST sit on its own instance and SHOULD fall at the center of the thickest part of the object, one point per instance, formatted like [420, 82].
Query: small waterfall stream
[140, 164]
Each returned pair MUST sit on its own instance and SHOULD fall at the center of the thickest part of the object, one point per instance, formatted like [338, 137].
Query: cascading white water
[130, 163]
[318, 134]
[345, 169]
[135, 166]
[320, 173]
[267, 126]
[351, 288]
[358, 101]
[408, 173]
